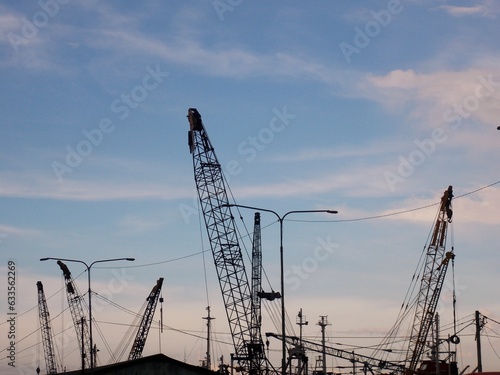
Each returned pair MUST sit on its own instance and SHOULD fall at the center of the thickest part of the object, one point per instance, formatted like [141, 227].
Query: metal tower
[435, 267]
[47, 338]
[75, 303]
[226, 250]
[147, 318]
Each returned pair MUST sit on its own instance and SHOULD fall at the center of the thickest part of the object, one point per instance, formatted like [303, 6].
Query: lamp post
[281, 219]
[89, 293]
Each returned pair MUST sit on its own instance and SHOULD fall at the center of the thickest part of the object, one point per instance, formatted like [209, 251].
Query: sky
[370, 108]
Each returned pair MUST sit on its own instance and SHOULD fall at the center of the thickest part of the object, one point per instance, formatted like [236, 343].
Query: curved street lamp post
[281, 219]
[92, 356]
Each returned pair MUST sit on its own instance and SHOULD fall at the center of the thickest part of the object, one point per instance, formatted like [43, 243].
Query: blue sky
[369, 108]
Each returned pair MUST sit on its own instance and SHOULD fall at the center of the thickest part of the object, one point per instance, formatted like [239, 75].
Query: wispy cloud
[356, 181]
[11, 230]
[381, 147]
[461, 11]
[39, 186]
[437, 97]
[481, 207]
[133, 224]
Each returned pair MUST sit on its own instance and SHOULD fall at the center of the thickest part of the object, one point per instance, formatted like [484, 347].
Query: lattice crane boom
[256, 318]
[369, 362]
[432, 279]
[47, 338]
[147, 318]
[75, 303]
[222, 235]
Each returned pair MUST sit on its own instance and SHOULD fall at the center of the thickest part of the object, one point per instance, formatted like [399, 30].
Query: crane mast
[75, 303]
[147, 318]
[222, 235]
[256, 318]
[47, 338]
[432, 279]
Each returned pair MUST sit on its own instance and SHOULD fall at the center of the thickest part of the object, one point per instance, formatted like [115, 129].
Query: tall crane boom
[47, 338]
[256, 318]
[223, 240]
[432, 279]
[147, 318]
[75, 303]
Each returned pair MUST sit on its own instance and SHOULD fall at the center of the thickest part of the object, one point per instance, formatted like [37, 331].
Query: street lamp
[89, 292]
[281, 219]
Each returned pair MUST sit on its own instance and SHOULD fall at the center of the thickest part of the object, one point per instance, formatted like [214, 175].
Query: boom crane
[48, 344]
[255, 334]
[435, 267]
[75, 303]
[147, 318]
[226, 250]
[369, 362]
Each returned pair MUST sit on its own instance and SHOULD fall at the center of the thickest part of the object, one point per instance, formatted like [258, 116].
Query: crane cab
[430, 367]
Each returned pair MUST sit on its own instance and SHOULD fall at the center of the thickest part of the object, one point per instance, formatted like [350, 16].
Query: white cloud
[35, 185]
[461, 11]
[133, 224]
[481, 207]
[440, 97]
[9, 230]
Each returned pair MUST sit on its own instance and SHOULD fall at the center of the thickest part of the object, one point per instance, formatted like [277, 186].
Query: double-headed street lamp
[92, 356]
[281, 219]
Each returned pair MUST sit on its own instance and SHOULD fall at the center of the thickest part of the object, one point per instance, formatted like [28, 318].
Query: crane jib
[226, 251]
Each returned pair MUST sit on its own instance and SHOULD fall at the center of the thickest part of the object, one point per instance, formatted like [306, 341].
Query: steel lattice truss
[432, 279]
[223, 240]
[48, 345]
[75, 303]
[370, 363]
[256, 338]
[147, 318]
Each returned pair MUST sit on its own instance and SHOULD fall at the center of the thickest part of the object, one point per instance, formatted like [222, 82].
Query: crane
[423, 303]
[75, 303]
[147, 318]
[256, 317]
[226, 250]
[47, 338]
[435, 266]
[431, 282]
[368, 362]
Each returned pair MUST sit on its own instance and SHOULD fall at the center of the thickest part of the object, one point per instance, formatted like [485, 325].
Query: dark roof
[158, 364]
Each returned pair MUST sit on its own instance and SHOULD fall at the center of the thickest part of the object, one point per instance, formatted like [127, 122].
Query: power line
[397, 212]
[379, 216]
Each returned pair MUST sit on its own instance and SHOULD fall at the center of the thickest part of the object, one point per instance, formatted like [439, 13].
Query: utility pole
[301, 321]
[323, 323]
[208, 318]
[479, 326]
